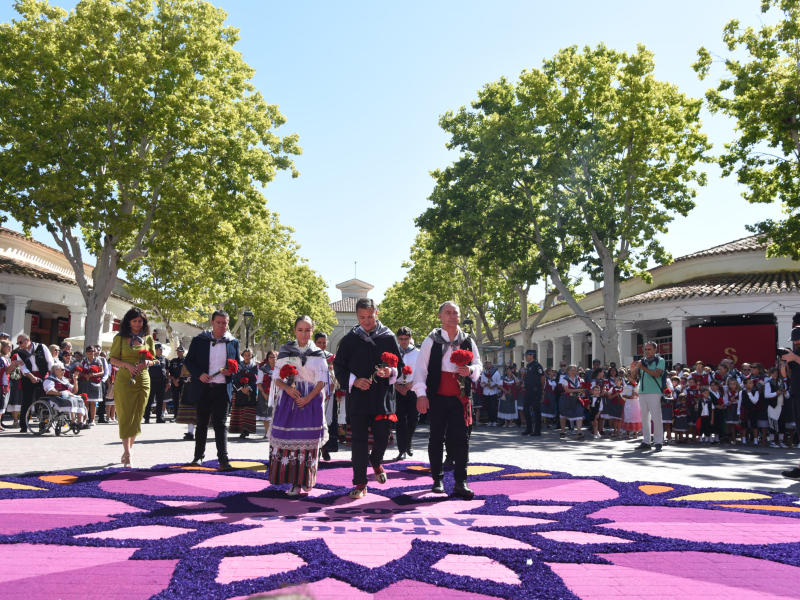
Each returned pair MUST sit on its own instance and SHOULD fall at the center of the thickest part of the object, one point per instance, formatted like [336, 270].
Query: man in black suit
[210, 385]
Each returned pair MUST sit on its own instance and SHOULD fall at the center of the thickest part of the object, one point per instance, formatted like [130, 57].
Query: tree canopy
[581, 162]
[762, 93]
[124, 121]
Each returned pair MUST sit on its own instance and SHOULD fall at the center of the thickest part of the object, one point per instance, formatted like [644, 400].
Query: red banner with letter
[740, 343]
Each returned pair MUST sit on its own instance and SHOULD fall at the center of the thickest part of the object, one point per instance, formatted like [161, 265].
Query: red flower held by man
[388, 360]
[461, 357]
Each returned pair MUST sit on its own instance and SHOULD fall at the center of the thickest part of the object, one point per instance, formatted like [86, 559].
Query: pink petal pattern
[237, 568]
[580, 537]
[701, 525]
[142, 532]
[478, 567]
[179, 484]
[555, 490]
[38, 514]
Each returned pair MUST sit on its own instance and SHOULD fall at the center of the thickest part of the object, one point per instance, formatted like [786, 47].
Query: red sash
[450, 386]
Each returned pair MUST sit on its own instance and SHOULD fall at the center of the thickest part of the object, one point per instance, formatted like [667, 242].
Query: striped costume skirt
[298, 467]
[243, 418]
[187, 413]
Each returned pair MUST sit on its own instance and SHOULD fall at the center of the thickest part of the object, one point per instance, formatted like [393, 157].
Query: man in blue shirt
[650, 369]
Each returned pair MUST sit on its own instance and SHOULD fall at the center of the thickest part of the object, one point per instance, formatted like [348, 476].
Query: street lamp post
[247, 316]
[469, 323]
[275, 335]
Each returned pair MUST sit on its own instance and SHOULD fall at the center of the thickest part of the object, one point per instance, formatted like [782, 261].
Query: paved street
[725, 466]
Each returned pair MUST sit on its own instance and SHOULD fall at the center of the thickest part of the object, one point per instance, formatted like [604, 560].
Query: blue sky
[364, 83]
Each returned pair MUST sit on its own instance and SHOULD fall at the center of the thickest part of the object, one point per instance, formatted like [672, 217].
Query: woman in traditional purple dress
[298, 423]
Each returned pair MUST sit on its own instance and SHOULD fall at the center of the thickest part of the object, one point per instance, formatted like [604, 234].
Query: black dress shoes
[463, 490]
[224, 465]
[197, 462]
[643, 446]
[326, 456]
[401, 456]
[410, 452]
[438, 487]
[188, 436]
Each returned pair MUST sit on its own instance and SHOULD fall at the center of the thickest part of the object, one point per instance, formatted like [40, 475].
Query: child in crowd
[732, 393]
[706, 410]
[692, 392]
[774, 395]
[596, 403]
[632, 420]
[753, 399]
[718, 406]
[680, 424]
[615, 404]
[667, 408]
[549, 396]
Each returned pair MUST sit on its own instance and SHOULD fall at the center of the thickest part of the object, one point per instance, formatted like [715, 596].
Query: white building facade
[729, 301]
[41, 297]
[345, 309]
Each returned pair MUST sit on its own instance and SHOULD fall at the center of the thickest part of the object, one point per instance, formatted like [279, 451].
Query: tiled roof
[345, 305]
[15, 267]
[732, 284]
[24, 269]
[748, 244]
[712, 286]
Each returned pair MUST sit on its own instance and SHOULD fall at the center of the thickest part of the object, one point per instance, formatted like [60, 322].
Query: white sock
[191, 429]
[780, 437]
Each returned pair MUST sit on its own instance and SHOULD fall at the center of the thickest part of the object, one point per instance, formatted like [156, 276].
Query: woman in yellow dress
[132, 385]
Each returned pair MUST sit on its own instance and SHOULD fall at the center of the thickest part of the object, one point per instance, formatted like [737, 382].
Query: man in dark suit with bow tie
[210, 386]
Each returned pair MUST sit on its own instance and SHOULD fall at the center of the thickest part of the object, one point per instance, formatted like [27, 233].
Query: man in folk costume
[407, 413]
[331, 409]
[371, 401]
[210, 386]
[37, 362]
[440, 391]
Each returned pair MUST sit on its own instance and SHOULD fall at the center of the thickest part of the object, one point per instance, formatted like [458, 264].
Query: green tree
[762, 93]
[582, 162]
[124, 121]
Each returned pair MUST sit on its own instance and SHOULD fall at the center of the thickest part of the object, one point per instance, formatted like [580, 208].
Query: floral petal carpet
[175, 532]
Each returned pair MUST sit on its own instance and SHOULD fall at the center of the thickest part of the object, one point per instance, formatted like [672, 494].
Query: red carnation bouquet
[144, 354]
[330, 359]
[288, 373]
[244, 381]
[231, 365]
[95, 376]
[85, 398]
[406, 372]
[388, 360]
[341, 394]
[461, 358]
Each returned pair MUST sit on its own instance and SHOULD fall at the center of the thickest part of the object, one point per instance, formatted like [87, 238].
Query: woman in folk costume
[245, 399]
[298, 422]
[92, 373]
[263, 408]
[62, 391]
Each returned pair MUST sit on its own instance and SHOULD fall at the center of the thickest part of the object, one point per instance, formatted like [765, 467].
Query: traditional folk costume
[263, 409]
[680, 423]
[93, 385]
[549, 398]
[775, 394]
[297, 433]
[37, 362]
[66, 401]
[449, 402]
[331, 410]
[507, 409]
[245, 399]
[407, 413]
[667, 409]
[570, 405]
[615, 403]
[358, 356]
[632, 419]
[719, 413]
[732, 409]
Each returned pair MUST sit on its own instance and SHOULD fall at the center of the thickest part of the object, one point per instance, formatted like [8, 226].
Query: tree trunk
[611, 292]
[522, 292]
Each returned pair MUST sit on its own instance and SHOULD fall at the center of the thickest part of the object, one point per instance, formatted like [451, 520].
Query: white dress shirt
[420, 375]
[410, 360]
[217, 358]
[48, 357]
[491, 383]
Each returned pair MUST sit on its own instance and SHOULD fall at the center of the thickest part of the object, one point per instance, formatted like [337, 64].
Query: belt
[216, 384]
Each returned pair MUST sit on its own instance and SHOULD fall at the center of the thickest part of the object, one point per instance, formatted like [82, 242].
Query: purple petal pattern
[173, 534]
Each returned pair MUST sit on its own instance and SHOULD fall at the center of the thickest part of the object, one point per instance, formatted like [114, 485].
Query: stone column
[15, 316]
[679, 339]
[576, 343]
[597, 349]
[784, 320]
[77, 321]
[542, 351]
[558, 351]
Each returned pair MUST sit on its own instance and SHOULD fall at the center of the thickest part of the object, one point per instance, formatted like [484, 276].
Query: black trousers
[360, 425]
[212, 404]
[176, 397]
[447, 428]
[30, 392]
[407, 419]
[332, 445]
[156, 394]
[532, 407]
[490, 404]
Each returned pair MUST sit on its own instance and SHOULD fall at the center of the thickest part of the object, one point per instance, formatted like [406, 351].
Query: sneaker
[744, 442]
[782, 445]
[92, 424]
[772, 444]
[642, 446]
[794, 474]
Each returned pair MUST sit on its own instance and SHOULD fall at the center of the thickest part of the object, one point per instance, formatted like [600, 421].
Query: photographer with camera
[791, 359]
[651, 388]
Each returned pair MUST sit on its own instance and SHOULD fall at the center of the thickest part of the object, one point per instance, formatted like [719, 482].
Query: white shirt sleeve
[768, 392]
[48, 385]
[420, 387]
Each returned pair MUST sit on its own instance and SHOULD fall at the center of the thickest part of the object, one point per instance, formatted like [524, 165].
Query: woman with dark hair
[132, 384]
[243, 412]
[263, 409]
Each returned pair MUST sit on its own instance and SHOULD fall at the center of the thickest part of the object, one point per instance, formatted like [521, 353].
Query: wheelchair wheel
[39, 418]
[75, 429]
[61, 424]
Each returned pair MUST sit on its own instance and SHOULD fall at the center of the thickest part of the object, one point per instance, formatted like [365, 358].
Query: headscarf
[380, 331]
[437, 337]
[293, 349]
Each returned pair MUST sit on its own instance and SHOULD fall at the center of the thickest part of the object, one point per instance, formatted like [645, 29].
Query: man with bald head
[444, 390]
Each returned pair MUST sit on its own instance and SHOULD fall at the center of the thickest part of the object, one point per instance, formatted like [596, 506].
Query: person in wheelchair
[61, 392]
